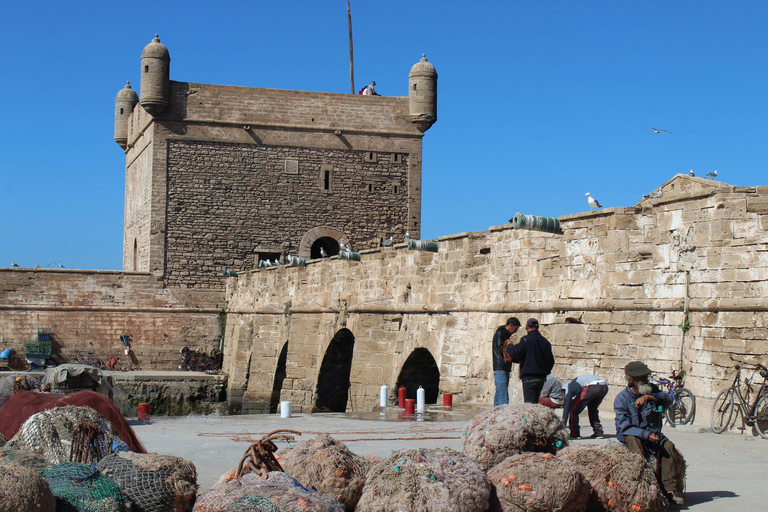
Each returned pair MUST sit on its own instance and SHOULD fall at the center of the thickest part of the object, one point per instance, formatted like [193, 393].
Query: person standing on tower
[534, 354]
[502, 365]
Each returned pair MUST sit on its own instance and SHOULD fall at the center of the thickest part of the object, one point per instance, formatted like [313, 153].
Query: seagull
[592, 201]
[345, 247]
[277, 263]
[407, 236]
[657, 131]
[691, 173]
[656, 194]
[388, 241]
[14, 264]
[61, 266]
[322, 252]
[712, 174]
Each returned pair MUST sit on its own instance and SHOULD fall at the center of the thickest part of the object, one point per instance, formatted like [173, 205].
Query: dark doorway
[277, 387]
[330, 245]
[420, 369]
[333, 381]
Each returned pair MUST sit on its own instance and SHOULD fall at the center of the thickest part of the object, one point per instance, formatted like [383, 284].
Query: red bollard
[401, 397]
[447, 400]
[410, 406]
[143, 412]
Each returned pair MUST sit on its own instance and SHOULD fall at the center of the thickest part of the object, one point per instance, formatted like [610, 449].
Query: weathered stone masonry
[613, 288]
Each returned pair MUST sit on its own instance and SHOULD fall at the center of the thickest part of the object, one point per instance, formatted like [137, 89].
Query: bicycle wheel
[761, 416]
[722, 411]
[682, 411]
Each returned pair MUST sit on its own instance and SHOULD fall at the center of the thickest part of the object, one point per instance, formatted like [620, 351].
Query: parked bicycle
[755, 415]
[86, 358]
[683, 407]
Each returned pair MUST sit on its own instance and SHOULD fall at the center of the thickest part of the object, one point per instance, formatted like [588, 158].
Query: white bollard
[285, 409]
[420, 399]
[383, 395]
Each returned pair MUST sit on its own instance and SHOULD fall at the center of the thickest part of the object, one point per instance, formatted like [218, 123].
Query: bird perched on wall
[322, 252]
[592, 201]
[712, 174]
[691, 173]
[388, 241]
[14, 264]
[407, 236]
[345, 247]
[61, 266]
[658, 131]
[656, 194]
[276, 263]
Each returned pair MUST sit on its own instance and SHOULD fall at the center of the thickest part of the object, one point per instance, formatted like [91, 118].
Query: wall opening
[277, 387]
[329, 245]
[327, 180]
[146, 69]
[420, 369]
[135, 254]
[332, 390]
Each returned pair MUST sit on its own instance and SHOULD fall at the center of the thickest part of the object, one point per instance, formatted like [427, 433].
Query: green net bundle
[154, 483]
[278, 492]
[328, 466]
[620, 480]
[49, 433]
[511, 429]
[538, 482]
[23, 490]
[421, 480]
[80, 487]
[23, 458]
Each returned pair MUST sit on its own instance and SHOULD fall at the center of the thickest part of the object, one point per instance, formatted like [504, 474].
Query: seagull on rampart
[656, 194]
[592, 201]
[657, 131]
[14, 264]
[691, 173]
[388, 241]
[345, 247]
[322, 252]
[407, 236]
[712, 174]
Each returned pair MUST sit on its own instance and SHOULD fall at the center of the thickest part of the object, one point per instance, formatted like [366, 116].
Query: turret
[422, 91]
[124, 103]
[155, 77]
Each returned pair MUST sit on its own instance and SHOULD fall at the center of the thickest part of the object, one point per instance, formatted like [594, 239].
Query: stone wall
[90, 310]
[614, 287]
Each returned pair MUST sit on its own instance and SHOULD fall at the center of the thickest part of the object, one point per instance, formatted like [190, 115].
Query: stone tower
[221, 177]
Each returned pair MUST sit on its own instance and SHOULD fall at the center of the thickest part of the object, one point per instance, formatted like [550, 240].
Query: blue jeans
[502, 387]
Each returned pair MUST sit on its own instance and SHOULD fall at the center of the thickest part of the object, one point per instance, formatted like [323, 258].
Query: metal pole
[351, 60]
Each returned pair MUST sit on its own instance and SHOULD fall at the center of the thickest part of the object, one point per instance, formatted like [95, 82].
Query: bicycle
[683, 407]
[86, 358]
[754, 415]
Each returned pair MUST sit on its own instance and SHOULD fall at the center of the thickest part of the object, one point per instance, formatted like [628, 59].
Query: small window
[397, 158]
[414, 87]
[370, 156]
[370, 187]
[395, 189]
[146, 69]
[121, 111]
[415, 224]
[327, 180]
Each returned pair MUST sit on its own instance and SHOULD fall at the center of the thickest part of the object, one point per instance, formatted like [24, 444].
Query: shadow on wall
[332, 390]
[279, 378]
[420, 369]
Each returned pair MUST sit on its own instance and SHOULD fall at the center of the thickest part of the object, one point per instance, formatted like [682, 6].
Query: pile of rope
[154, 483]
[328, 466]
[260, 456]
[49, 433]
[23, 489]
[537, 482]
[278, 492]
[79, 487]
[425, 480]
[512, 429]
[620, 479]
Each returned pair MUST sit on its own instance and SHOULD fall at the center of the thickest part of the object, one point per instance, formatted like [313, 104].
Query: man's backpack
[361, 90]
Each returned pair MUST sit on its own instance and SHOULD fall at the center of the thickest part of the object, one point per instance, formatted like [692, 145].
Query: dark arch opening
[331, 246]
[333, 381]
[420, 369]
[277, 387]
[135, 254]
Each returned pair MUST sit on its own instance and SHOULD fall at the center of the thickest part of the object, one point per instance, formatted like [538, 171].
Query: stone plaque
[291, 167]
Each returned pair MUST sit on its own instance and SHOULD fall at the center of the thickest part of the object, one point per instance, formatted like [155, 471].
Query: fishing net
[511, 429]
[22, 489]
[11, 384]
[49, 433]
[433, 480]
[3, 440]
[154, 483]
[620, 480]
[78, 486]
[278, 492]
[23, 458]
[328, 466]
[538, 482]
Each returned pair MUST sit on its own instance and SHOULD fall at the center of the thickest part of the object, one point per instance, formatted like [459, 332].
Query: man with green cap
[638, 424]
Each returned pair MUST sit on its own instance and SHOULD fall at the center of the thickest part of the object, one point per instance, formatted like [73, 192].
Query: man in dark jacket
[501, 366]
[638, 410]
[534, 354]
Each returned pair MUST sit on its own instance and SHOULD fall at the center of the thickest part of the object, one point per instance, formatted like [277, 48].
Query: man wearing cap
[369, 90]
[502, 366]
[534, 354]
[584, 392]
[638, 424]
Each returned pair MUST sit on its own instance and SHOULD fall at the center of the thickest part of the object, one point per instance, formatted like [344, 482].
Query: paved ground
[725, 472]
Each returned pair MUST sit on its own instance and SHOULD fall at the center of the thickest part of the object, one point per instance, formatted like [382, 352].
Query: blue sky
[538, 101]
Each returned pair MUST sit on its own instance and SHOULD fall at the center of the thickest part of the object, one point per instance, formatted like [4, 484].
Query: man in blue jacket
[638, 410]
[534, 354]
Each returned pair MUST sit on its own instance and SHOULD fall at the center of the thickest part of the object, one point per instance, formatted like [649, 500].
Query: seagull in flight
[656, 194]
[712, 174]
[657, 131]
[388, 241]
[322, 252]
[592, 201]
[691, 173]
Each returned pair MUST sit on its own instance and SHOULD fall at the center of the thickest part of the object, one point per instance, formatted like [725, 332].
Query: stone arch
[280, 374]
[420, 369]
[312, 239]
[332, 391]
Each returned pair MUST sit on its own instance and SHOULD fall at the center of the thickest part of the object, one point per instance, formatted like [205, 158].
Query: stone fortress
[222, 177]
